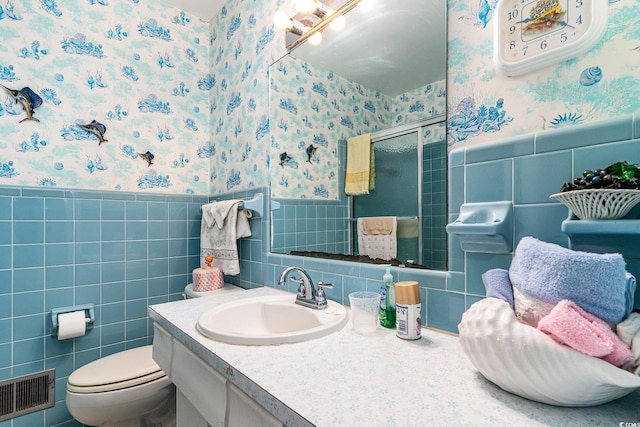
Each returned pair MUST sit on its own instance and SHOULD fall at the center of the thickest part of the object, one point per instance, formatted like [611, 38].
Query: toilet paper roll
[71, 325]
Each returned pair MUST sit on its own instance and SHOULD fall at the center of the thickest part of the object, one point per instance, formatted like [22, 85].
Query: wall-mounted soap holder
[484, 227]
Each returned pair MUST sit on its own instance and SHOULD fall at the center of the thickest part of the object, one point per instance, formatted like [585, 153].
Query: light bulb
[306, 5]
[281, 20]
[316, 39]
[365, 6]
[338, 23]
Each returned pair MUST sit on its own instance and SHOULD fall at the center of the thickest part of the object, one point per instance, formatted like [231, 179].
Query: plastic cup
[364, 311]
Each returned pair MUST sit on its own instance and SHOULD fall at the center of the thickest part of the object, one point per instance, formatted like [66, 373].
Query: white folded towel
[629, 332]
[222, 224]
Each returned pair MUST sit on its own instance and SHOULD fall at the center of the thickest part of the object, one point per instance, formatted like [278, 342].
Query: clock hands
[546, 18]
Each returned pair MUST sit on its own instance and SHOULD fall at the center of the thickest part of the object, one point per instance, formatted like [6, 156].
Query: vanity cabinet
[204, 396]
[336, 380]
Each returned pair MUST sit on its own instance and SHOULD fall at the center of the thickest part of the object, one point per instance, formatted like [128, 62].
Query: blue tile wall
[525, 171]
[434, 205]
[302, 225]
[118, 251]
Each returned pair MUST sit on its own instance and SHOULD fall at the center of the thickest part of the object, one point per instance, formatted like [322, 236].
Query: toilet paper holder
[89, 316]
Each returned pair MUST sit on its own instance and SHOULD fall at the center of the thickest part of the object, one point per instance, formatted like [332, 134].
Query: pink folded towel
[570, 325]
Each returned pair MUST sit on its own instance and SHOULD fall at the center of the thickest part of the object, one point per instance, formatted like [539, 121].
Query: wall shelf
[604, 236]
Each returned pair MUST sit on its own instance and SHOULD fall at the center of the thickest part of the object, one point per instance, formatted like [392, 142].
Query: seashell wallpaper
[484, 106]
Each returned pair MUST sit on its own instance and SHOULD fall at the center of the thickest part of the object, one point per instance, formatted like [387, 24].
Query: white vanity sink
[270, 320]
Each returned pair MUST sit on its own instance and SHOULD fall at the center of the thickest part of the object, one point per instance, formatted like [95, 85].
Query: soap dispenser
[387, 301]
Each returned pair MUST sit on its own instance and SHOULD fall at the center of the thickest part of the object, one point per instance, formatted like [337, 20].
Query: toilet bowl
[189, 291]
[125, 389]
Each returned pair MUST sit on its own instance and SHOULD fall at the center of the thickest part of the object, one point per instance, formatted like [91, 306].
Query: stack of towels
[581, 300]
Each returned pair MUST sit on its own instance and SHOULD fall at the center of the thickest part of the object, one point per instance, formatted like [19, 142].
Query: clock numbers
[530, 34]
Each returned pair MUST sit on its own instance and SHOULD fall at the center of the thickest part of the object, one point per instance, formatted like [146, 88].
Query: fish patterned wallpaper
[244, 45]
[137, 67]
[315, 111]
[483, 106]
[195, 95]
[420, 104]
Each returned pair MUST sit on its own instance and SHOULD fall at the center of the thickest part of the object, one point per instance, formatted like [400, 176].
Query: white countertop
[346, 379]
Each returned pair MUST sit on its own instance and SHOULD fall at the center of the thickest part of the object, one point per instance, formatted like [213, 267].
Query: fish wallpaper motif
[484, 106]
[244, 44]
[195, 94]
[119, 79]
[312, 107]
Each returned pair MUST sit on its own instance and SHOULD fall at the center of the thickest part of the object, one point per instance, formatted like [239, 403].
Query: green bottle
[388, 301]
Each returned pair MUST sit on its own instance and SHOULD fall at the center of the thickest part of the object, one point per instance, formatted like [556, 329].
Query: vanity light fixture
[315, 7]
[316, 38]
[281, 20]
[312, 17]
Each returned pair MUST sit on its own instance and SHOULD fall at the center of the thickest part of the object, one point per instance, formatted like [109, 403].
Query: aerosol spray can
[408, 324]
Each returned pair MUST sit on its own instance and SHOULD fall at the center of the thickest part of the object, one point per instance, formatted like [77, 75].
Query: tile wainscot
[343, 379]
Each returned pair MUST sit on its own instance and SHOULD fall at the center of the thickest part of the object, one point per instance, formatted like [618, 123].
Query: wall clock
[532, 34]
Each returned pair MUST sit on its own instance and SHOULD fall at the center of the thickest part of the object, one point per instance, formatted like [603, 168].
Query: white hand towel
[222, 224]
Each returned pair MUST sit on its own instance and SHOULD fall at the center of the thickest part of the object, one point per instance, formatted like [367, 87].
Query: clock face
[531, 34]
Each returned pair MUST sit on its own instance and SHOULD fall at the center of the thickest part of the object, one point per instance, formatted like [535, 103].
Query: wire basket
[599, 203]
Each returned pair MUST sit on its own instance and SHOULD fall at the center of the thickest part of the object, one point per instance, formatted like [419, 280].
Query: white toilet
[125, 389]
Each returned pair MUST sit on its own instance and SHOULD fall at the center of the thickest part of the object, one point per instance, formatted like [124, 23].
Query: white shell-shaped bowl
[524, 361]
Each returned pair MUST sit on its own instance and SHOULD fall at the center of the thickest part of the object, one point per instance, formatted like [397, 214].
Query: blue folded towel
[497, 284]
[598, 283]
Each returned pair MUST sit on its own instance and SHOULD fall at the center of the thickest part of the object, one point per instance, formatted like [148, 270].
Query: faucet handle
[320, 295]
[321, 285]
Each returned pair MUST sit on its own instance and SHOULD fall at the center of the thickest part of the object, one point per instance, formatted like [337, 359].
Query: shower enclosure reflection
[410, 170]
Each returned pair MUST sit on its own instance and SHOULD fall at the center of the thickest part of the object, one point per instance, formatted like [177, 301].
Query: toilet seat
[118, 371]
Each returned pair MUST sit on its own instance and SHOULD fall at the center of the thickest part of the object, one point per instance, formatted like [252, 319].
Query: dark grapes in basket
[618, 176]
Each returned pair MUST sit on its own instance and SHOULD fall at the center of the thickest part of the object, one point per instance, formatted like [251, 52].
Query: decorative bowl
[524, 361]
[599, 203]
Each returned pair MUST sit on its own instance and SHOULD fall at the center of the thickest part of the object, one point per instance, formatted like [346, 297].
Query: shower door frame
[392, 133]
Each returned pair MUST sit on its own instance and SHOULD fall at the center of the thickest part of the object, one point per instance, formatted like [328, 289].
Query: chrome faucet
[307, 295]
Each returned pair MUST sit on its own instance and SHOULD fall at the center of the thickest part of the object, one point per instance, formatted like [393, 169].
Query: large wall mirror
[383, 75]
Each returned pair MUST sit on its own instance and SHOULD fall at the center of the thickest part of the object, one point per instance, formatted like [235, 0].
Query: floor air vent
[28, 393]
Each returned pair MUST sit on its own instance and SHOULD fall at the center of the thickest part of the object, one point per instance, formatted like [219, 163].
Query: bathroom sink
[270, 320]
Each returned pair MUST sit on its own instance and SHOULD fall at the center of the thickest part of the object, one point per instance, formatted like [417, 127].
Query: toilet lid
[120, 370]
